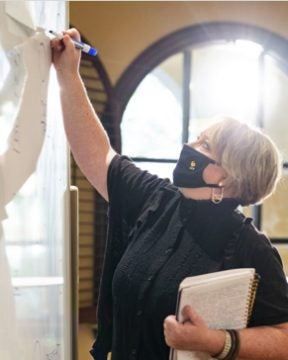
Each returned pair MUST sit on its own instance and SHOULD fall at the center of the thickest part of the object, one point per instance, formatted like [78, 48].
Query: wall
[122, 30]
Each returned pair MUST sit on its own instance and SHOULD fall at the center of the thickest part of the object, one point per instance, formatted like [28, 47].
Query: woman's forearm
[257, 343]
[264, 343]
[261, 343]
[88, 139]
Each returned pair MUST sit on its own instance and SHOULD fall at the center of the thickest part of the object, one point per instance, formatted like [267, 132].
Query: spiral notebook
[224, 299]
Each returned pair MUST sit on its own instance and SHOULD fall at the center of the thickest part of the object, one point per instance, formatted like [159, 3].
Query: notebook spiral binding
[251, 300]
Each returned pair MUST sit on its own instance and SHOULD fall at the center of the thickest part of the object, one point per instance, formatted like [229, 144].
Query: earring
[216, 198]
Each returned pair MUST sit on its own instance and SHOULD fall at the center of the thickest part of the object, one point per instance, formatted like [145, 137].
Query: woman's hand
[193, 334]
[65, 56]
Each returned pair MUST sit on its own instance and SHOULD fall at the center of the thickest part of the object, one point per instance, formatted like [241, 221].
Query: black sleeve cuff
[98, 353]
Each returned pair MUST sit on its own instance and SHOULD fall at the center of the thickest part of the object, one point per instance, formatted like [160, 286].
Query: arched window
[174, 87]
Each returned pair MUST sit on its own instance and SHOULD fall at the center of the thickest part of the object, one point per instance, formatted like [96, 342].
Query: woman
[159, 233]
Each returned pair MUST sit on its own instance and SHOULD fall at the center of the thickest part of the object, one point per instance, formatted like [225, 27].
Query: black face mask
[188, 172]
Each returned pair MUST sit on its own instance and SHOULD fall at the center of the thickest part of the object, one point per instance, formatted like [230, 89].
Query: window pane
[276, 105]
[275, 211]
[224, 81]
[152, 122]
[283, 251]
[163, 170]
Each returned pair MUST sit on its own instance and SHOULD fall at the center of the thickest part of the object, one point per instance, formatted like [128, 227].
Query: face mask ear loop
[217, 195]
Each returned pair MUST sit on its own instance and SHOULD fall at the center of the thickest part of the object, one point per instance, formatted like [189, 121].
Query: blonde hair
[249, 157]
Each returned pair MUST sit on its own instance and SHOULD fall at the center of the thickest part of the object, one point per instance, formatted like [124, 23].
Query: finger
[170, 321]
[171, 330]
[170, 324]
[57, 44]
[192, 316]
[73, 33]
[69, 46]
[67, 41]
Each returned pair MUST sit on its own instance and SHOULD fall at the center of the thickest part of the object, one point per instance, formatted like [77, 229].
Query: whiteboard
[34, 201]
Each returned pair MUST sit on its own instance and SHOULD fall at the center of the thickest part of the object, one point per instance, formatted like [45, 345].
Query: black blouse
[157, 237]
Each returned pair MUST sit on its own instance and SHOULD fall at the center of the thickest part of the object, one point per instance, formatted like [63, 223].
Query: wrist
[216, 341]
[231, 346]
[66, 77]
[69, 80]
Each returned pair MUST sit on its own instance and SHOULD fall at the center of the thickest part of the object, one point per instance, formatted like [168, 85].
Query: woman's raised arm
[88, 140]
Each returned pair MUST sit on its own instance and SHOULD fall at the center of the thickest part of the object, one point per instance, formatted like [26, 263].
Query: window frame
[184, 40]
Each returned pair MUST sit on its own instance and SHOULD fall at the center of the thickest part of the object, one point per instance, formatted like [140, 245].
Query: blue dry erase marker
[78, 44]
